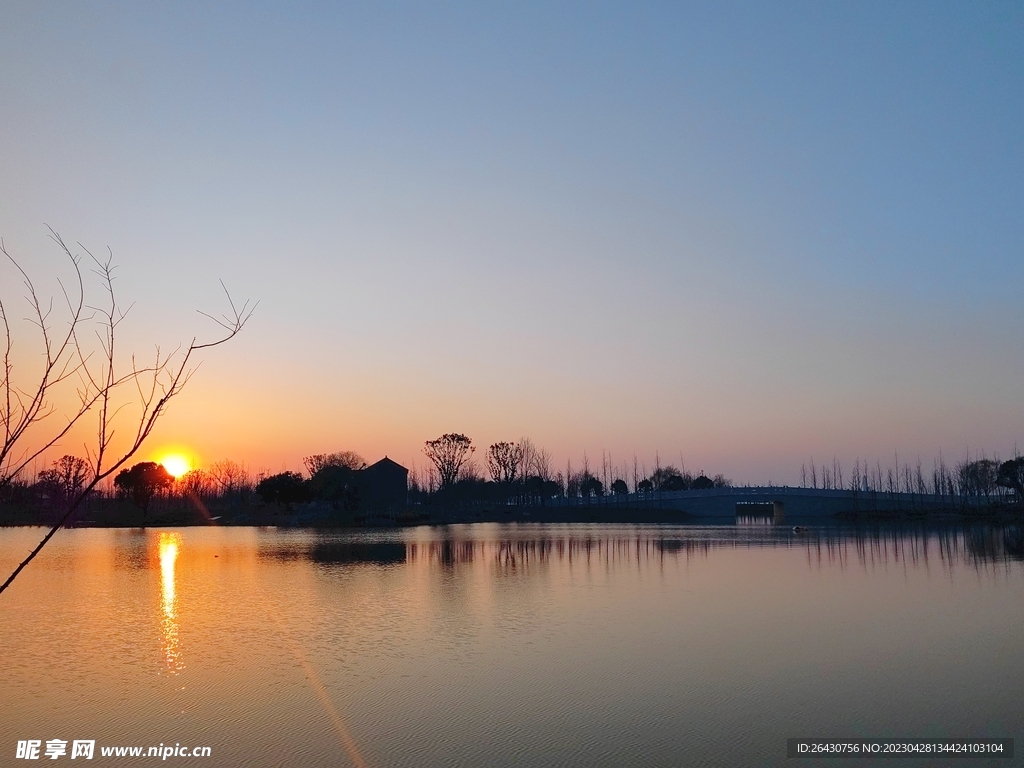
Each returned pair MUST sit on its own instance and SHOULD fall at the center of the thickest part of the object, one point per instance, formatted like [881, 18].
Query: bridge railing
[774, 493]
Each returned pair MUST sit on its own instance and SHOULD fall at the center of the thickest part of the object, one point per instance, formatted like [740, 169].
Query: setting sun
[176, 464]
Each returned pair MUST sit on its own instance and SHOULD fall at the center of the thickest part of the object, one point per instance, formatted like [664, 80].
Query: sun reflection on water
[168, 544]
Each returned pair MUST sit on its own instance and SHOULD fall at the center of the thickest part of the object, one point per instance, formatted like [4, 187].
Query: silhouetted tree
[67, 477]
[448, 453]
[195, 483]
[673, 483]
[285, 488]
[336, 484]
[536, 461]
[347, 459]
[504, 462]
[977, 478]
[668, 478]
[142, 482]
[537, 488]
[619, 487]
[230, 477]
[702, 482]
[1011, 475]
[584, 484]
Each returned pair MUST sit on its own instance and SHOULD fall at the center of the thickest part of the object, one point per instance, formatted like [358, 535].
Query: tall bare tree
[448, 453]
[28, 415]
[536, 461]
[504, 462]
[67, 477]
[229, 476]
[195, 484]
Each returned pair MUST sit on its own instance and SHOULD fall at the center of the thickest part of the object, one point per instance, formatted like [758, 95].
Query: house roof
[386, 463]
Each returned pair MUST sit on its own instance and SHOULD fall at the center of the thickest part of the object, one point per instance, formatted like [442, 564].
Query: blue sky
[742, 233]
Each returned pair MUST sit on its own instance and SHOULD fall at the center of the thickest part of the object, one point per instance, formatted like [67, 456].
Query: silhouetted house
[384, 485]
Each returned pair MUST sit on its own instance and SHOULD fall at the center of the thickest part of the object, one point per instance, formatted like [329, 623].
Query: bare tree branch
[156, 385]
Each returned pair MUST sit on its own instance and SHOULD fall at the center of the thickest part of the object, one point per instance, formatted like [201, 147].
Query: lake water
[501, 645]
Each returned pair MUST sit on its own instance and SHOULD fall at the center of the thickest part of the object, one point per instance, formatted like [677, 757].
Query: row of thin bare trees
[527, 472]
[978, 478]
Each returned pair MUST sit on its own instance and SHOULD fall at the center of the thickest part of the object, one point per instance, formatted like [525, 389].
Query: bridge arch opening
[761, 510]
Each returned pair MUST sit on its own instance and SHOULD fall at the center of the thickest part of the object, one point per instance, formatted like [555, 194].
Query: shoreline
[263, 517]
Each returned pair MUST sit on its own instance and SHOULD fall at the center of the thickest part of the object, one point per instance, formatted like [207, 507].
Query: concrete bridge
[781, 502]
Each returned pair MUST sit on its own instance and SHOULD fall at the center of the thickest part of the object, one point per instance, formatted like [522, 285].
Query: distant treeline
[988, 478]
[144, 486]
[522, 473]
[518, 473]
[511, 473]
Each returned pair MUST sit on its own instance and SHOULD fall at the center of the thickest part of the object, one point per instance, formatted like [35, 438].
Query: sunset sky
[739, 234]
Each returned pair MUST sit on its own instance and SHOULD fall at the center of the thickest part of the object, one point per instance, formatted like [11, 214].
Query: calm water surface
[511, 645]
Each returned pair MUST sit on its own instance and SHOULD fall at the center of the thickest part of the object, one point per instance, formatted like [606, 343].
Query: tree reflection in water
[514, 549]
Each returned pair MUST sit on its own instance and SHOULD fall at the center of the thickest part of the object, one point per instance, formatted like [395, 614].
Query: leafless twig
[99, 386]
